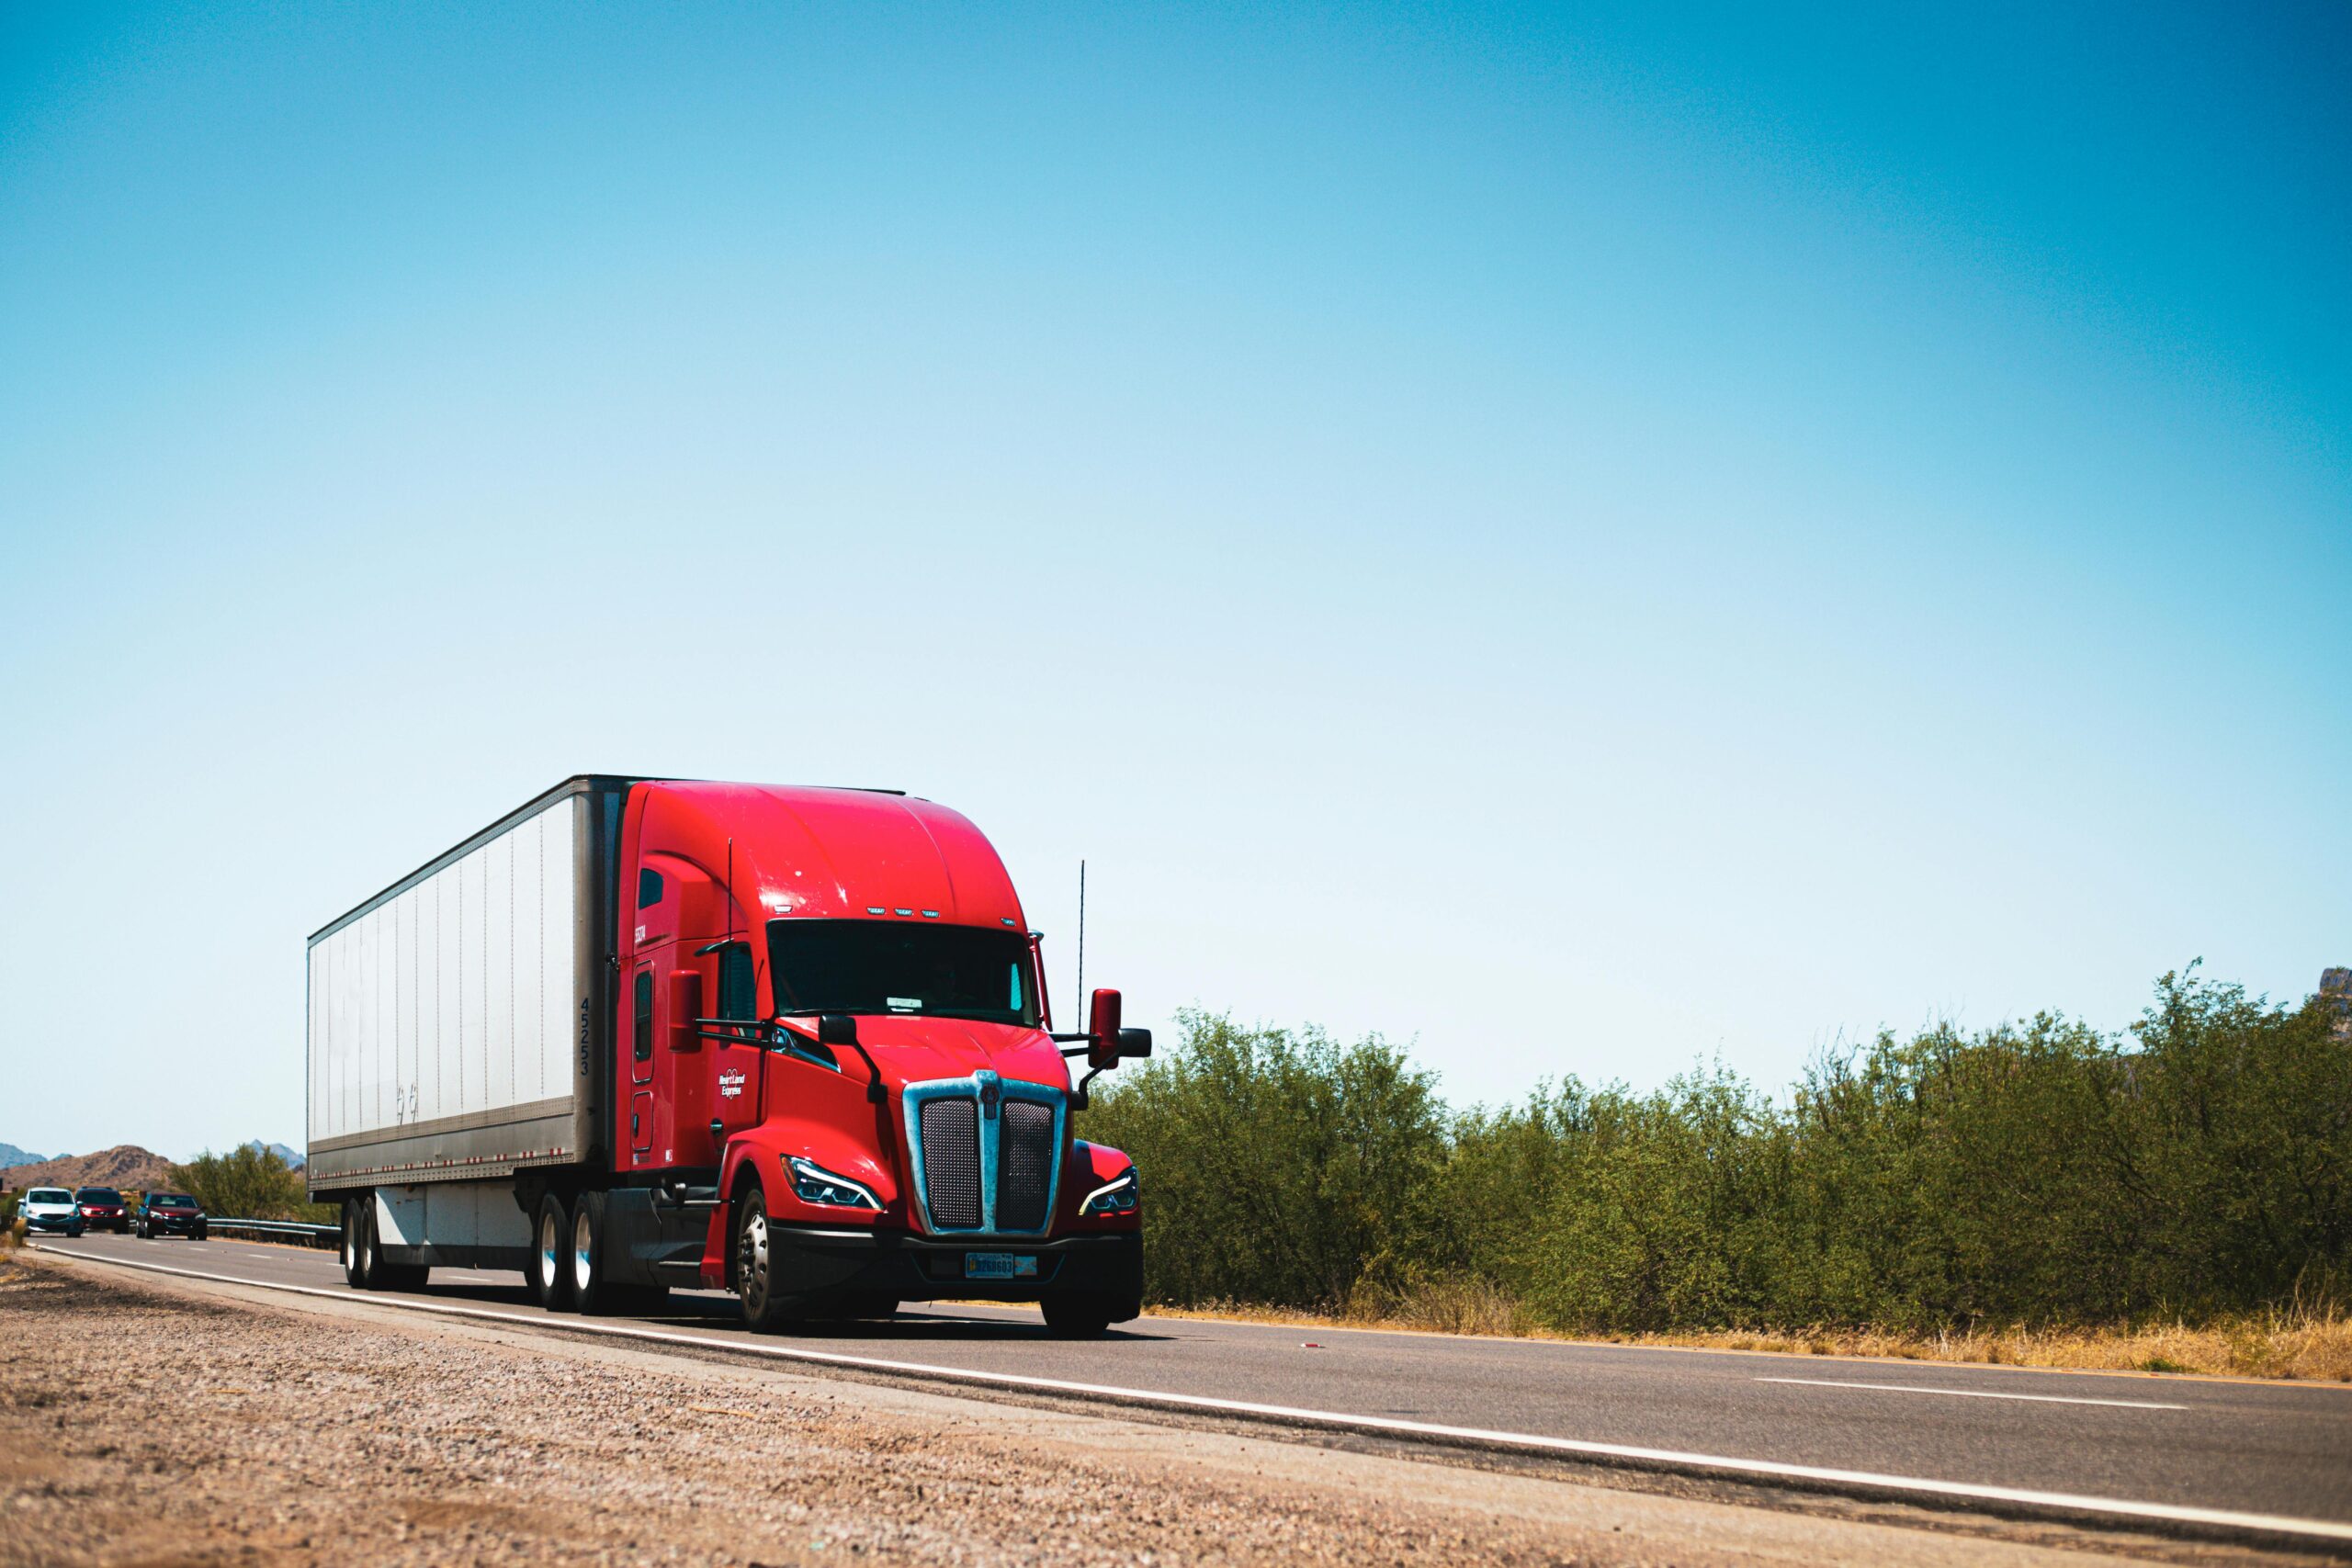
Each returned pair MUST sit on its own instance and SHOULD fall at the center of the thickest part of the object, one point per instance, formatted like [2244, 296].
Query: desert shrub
[2042, 1172]
[1279, 1166]
[248, 1183]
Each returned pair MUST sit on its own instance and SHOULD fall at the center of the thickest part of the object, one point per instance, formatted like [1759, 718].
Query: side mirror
[836, 1028]
[1103, 1030]
[686, 1007]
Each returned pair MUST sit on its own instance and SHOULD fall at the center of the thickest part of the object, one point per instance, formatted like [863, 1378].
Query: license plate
[999, 1266]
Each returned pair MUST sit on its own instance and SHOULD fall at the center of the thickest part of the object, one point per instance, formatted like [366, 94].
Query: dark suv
[103, 1209]
[165, 1213]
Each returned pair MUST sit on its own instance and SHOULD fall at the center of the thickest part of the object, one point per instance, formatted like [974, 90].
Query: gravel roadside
[143, 1423]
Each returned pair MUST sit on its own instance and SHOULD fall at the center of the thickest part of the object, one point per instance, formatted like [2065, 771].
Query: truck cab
[836, 1083]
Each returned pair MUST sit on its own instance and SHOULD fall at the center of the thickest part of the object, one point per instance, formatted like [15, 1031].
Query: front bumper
[817, 1263]
[183, 1224]
[54, 1223]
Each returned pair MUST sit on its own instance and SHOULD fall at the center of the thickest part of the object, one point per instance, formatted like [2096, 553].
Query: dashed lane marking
[1975, 1394]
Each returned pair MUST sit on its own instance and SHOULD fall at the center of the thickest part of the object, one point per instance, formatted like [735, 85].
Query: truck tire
[594, 1289]
[1077, 1315]
[756, 1284]
[550, 1267]
[359, 1246]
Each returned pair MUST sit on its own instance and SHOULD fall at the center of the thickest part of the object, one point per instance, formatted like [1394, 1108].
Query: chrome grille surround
[1008, 1156]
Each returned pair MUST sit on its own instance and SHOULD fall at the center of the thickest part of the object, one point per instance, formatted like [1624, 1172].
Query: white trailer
[456, 1030]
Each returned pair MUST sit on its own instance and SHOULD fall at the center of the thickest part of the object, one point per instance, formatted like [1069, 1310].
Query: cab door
[738, 1057]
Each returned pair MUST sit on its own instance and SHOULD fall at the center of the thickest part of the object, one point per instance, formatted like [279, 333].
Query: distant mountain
[126, 1165]
[11, 1154]
[293, 1157]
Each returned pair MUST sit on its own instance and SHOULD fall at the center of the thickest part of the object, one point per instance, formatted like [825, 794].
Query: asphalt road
[2272, 1449]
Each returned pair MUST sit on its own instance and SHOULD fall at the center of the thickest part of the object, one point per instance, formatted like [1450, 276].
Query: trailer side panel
[446, 1016]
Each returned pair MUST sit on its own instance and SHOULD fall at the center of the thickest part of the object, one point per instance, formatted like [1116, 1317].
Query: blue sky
[1583, 542]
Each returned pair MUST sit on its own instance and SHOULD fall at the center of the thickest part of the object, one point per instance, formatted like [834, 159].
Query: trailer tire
[359, 1246]
[550, 1267]
[764, 1307]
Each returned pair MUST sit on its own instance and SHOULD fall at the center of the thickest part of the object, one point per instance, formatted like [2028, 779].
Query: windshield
[48, 1195]
[99, 1195]
[879, 967]
[171, 1201]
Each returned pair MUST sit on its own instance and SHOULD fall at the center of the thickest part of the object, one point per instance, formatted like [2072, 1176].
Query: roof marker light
[876, 909]
[904, 911]
[1006, 919]
[930, 914]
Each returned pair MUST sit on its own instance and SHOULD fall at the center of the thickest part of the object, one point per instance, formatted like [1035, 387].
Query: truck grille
[967, 1134]
[1024, 1166]
[951, 1163]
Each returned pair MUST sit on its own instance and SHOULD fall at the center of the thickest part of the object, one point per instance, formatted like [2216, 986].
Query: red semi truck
[646, 1034]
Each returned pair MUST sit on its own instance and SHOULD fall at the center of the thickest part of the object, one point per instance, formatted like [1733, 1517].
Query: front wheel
[757, 1285]
[1081, 1316]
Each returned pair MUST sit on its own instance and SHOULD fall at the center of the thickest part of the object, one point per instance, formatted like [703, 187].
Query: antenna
[1081, 1003]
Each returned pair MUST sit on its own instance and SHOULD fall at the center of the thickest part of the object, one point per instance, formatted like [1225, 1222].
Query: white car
[51, 1209]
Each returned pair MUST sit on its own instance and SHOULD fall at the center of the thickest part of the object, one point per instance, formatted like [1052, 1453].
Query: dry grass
[2296, 1342]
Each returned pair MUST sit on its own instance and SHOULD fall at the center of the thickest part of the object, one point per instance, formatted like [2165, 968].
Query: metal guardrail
[314, 1236]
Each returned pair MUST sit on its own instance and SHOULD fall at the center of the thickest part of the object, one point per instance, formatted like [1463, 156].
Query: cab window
[735, 992]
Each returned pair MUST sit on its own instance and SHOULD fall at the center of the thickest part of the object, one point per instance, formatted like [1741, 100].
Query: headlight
[814, 1184]
[1116, 1196]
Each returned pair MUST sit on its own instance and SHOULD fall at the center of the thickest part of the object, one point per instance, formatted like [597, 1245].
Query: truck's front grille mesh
[1024, 1166]
[951, 1163]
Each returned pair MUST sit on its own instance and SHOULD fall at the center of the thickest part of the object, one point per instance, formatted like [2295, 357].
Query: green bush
[1280, 1166]
[249, 1184]
[2033, 1173]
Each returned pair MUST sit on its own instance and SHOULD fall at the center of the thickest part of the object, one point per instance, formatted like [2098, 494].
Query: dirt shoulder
[146, 1421]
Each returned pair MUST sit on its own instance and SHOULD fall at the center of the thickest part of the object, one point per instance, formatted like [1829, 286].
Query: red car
[166, 1213]
[103, 1209]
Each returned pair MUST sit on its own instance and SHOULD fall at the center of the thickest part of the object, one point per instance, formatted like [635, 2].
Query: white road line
[1974, 1393]
[2112, 1507]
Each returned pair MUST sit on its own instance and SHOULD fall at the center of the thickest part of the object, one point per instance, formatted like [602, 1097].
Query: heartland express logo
[730, 1084]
